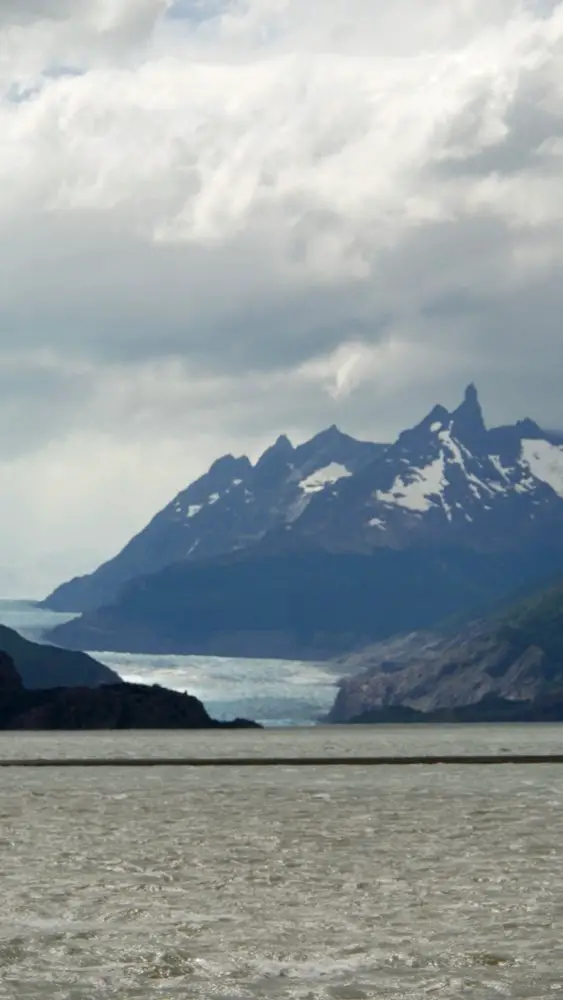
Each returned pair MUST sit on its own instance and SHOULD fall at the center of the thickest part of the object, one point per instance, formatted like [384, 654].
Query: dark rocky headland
[108, 706]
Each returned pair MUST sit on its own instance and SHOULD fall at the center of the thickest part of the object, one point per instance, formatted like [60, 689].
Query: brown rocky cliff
[428, 672]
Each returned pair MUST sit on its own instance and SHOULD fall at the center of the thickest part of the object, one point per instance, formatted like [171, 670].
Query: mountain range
[316, 549]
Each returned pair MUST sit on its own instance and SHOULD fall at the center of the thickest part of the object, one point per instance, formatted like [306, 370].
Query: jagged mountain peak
[229, 465]
[438, 414]
[333, 445]
[529, 429]
[447, 480]
[229, 508]
[464, 424]
[471, 396]
[274, 464]
[282, 443]
[332, 433]
[482, 484]
[433, 422]
[282, 449]
[468, 424]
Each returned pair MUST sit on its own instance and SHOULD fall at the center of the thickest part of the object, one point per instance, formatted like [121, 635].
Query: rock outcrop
[515, 655]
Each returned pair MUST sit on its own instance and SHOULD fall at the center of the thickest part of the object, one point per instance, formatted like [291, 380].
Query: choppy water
[326, 884]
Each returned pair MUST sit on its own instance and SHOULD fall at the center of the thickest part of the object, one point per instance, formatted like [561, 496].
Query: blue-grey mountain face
[316, 549]
[230, 508]
[42, 666]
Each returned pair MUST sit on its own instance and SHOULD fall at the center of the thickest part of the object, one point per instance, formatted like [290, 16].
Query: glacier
[273, 692]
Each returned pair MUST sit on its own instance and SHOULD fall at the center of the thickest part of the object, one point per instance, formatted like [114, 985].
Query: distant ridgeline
[319, 549]
[41, 666]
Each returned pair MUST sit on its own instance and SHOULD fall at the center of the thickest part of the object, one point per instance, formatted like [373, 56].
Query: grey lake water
[311, 883]
[333, 883]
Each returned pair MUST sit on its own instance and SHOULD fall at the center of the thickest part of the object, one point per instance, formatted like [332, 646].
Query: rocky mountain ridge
[319, 547]
[232, 507]
[446, 479]
[449, 480]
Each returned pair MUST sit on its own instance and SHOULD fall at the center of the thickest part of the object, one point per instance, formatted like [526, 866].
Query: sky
[221, 220]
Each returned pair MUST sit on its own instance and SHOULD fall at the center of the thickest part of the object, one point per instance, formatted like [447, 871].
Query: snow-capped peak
[449, 477]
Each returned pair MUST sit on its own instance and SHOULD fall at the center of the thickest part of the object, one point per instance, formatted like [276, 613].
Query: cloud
[265, 213]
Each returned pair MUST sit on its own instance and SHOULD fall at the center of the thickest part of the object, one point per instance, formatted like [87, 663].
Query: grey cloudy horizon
[221, 220]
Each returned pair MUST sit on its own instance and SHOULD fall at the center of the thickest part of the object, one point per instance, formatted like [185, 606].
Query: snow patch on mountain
[423, 487]
[454, 447]
[193, 509]
[545, 462]
[503, 470]
[459, 454]
[323, 477]
[297, 507]
[421, 493]
[527, 484]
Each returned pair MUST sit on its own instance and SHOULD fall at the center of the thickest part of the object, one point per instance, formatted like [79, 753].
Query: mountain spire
[281, 450]
[468, 418]
[471, 396]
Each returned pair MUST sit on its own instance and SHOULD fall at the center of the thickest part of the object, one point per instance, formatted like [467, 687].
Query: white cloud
[306, 211]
